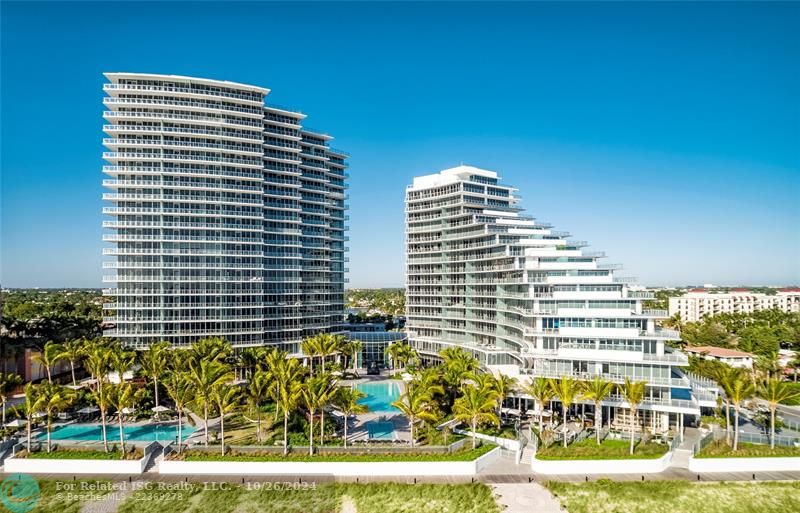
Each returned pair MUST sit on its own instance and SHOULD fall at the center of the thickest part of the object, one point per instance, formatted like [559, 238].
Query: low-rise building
[721, 354]
[699, 303]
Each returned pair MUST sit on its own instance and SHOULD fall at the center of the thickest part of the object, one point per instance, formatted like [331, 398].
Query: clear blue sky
[666, 134]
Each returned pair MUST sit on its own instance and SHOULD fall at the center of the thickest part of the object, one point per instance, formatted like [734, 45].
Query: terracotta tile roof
[719, 352]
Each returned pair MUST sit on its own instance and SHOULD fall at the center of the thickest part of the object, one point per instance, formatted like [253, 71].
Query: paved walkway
[525, 498]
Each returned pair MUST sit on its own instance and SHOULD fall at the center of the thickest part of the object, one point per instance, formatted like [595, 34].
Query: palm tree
[226, 399]
[8, 383]
[326, 400]
[345, 399]
[287, 374]
[541, 392]
[774, 391]
[310, 347]
[673, 322]
[72, 351]
[205, 376]
[315, 394]
[54, 398]
[48, 357]
[393, 350]
[416, 403]
[741, 389]
[725, 375]
[154, 364]
[351, 349]
[273, 360]
[596, 390]
[476, 405]
[212, 349]
[97, 363]
[180, 390]
[123, 395]
[122, 361]
[31, 406]
[794, 364]
[257, 390]
[504, 385]
[567, 391]
[633, 392]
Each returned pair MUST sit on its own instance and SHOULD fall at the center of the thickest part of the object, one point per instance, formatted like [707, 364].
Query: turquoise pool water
[380, 396]
[143, 433]
[380, 430]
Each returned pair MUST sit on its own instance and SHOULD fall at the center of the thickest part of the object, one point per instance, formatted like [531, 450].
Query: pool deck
[359, 431]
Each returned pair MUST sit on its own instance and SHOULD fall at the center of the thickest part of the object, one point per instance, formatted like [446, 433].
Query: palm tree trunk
[564, 426]
[346, 415]
[285, 432]
[49, 377]
[728, 422]
[772, 428]
[598, 420]
[29, 432]
[222, 432]
[411, 418]
[633, 427]
[258, 427]
[121, 435]
[72, 368]
[180, 432]
[49, 426]
[103, 424]
[205, 422]
[474, 432]
[155, 390]
[736, 429]
[311, 435]
[4, 411]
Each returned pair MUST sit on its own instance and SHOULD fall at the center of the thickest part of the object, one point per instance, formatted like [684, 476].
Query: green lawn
[467, 454]
[676, 497]
[79, 454]
[720, 449]
[323, 498]
[607, 450]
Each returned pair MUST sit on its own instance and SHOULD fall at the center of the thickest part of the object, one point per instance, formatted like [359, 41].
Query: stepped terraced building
[226, 216]
[529, 301]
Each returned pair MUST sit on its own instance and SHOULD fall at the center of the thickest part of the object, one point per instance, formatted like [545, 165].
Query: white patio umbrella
[88, 409]
[159, 409]
[16, 423]
[128, 411]
[39, 415]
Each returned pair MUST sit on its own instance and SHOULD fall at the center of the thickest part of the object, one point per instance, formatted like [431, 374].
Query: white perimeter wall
[653, 466]
[744, 464]
[348, 468]
[40, 466]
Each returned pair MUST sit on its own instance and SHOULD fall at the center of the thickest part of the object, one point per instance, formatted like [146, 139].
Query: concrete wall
[581, 467]
[744, 464]
[388, 468]
[13, 464]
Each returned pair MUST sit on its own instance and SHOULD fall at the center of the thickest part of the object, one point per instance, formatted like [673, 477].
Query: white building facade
[226, 216]
[699, 303]
[528, 301]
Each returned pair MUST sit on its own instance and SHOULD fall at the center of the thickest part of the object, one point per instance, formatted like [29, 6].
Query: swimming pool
[142, 433]
[380, 396]
[379, 430]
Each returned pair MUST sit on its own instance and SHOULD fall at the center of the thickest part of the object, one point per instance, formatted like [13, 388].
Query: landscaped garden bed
[605, 496]
[721, 449]
[80, 454]
[607, 450]
[467, 454]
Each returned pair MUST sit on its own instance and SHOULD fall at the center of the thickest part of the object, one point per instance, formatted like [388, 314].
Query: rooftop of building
[448, 176]
[719, 352]
[116, 76]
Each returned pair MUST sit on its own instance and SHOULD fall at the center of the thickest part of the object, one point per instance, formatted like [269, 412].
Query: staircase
[155, 458]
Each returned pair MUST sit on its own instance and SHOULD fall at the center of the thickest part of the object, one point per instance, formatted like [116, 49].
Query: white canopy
[88, 409]
[159, 409]
[128, 411]
[16, 423]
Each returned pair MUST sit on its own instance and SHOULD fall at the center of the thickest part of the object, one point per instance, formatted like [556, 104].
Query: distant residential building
[730, 356]
[699, 303]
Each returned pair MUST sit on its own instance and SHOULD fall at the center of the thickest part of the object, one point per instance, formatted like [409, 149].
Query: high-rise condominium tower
[528, 301]
[226, 216]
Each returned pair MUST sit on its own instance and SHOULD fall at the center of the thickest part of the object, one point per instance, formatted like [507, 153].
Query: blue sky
[666, 134]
